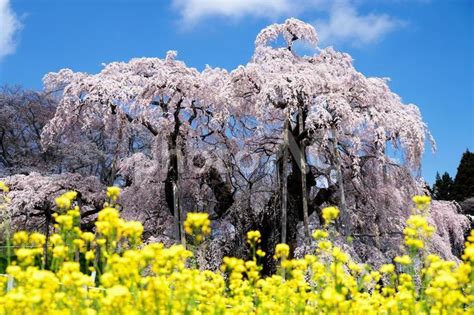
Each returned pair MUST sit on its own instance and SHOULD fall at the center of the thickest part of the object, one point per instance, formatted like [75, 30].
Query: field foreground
[111, 271]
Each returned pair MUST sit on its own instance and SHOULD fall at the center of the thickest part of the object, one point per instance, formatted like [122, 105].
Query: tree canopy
[463, 186]
[443, 186]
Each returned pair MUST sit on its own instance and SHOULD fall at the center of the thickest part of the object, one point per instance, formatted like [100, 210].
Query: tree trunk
[221, 189]
[177, 208]
[46, 232]
[344, 217]
[284, 179]
[304, 192]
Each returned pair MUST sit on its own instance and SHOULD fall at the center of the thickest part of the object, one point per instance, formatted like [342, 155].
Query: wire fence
[11, 282]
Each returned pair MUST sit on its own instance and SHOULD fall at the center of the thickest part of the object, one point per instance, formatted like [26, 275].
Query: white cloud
[345, 24]
[194, 10]
[339, 20]
[9, 27]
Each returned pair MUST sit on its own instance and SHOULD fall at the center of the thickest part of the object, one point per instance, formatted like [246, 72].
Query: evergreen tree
[442, 188]
[463, 186]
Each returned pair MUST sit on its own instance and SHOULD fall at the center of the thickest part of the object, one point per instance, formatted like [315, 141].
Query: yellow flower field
[112, 272]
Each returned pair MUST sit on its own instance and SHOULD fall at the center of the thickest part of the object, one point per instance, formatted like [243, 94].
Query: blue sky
[425, 47]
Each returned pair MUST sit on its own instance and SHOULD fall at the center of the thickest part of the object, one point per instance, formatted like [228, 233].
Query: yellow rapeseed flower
[60, 251]
[113, 193]
[387, 268]
[56, 239]
[65, 221]
[403, 260]
[88, 236]
[330, 214]
[198, 225]
[89, 255]
[339, 255]
[253, 237]
[422, 202]
[64, 201]
[417, 231]
[282, 251]
[37, 239]
[320, 234]
[20, 238]
[4, 187]
[71, 195]
[133, 229]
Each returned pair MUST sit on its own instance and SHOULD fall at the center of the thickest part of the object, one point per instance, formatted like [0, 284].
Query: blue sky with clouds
[425, 47]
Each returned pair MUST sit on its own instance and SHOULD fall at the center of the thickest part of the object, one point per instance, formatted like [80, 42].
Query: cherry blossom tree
[340, 120]
[178, 107]
[266, 145]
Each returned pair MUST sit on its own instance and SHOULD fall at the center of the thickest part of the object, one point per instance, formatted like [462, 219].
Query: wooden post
[10, 283]
[304, 192]
[344, 216]
[46, 243]
[179, 220]
[284, 179]
[176, 219]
